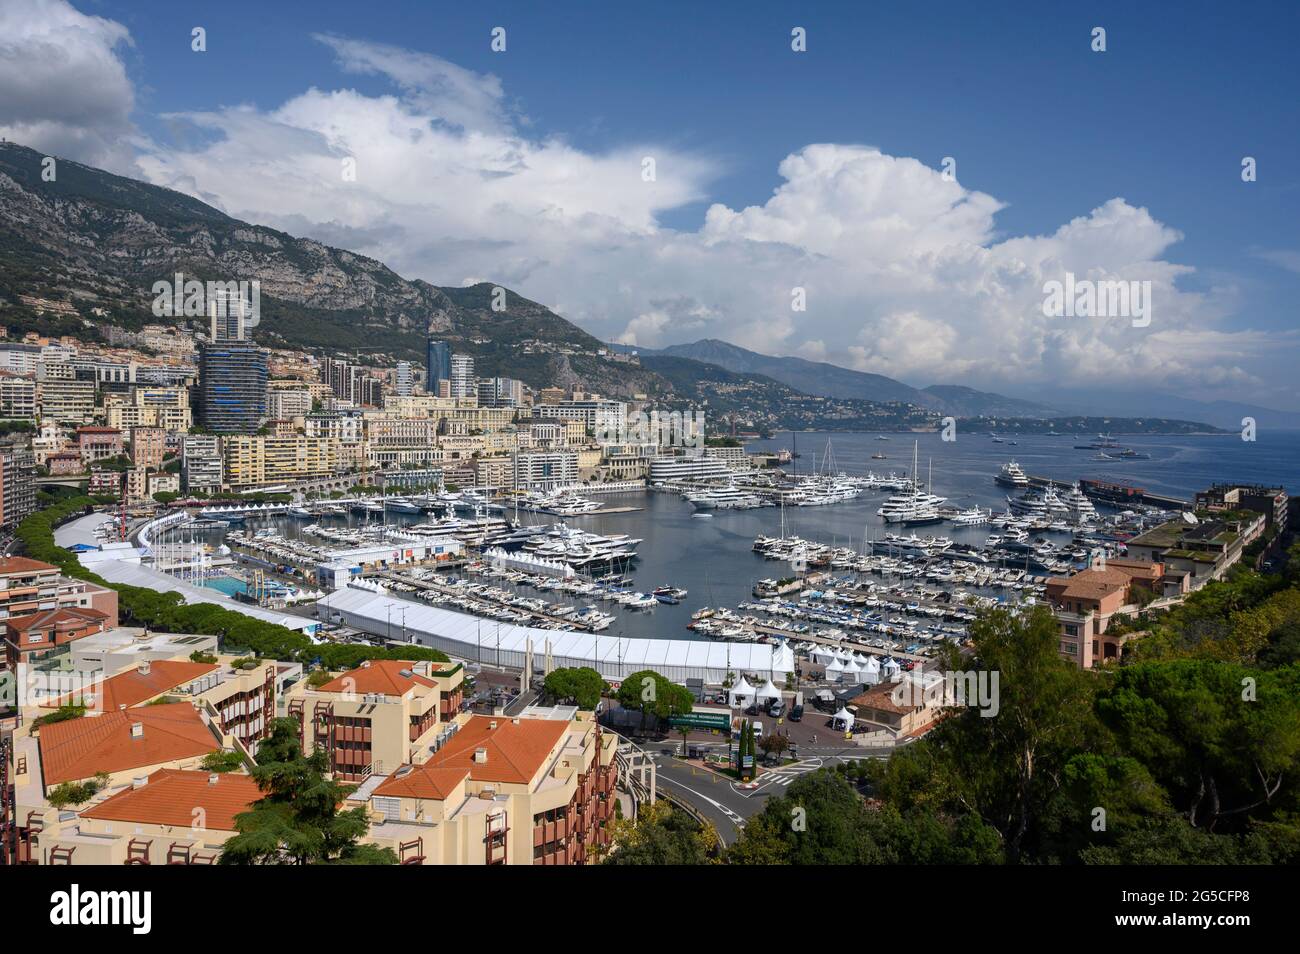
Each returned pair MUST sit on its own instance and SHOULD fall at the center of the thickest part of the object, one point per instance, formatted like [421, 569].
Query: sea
[712, 557]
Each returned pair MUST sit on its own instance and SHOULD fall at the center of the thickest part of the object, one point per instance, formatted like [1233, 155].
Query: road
[727, 804]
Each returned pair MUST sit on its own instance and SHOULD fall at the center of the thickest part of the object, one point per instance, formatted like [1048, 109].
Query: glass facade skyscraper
[438, 359]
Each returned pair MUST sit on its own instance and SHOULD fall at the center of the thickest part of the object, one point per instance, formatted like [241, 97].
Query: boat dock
[1113, 493]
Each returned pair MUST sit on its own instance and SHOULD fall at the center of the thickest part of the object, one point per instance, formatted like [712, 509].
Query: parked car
[776, 709]
[796, 714]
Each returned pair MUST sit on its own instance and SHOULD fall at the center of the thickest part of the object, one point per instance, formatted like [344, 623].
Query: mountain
[99, 242]
[829, 380]
[1225, 414]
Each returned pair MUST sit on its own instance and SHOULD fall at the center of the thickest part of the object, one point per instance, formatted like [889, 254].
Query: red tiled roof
[423, 781]
[170, 797]
[515, 751]
[379, 675]
[22, 565]
[79, 748]
[54, 617]
[133, 687]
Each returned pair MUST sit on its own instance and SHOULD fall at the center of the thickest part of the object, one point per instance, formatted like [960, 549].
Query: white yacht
[913, 505]
[974, 517]
[1038, 505]
[728, 497]
[1078, 507]
[1011, 475]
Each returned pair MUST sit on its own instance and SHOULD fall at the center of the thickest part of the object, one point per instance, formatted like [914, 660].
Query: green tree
[297, 820]
[647, 692]
[581, 685]
[661, 835]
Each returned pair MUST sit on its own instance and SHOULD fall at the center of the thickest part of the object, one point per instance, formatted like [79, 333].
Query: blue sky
[1035, 119]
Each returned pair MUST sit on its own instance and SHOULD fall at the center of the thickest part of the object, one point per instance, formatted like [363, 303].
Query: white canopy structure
[845, 718]
[871, 671]
[833, 669]
[822, 655]
[769, 691]
[614, 657]
[740, 693]
[851, 672]
[889, 670]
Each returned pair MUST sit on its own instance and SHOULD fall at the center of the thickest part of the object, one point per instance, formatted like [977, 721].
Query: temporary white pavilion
[768, 691]
[375, 611]
[822, 655]
[889, 670]
[845, 718]
[851, 673]
[740, 693]
[871, 671]
[833, 670]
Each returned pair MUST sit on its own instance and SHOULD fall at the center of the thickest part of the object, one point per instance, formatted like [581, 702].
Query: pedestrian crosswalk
[788, 773]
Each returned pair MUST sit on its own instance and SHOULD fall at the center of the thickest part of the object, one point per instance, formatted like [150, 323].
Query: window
[390, 808]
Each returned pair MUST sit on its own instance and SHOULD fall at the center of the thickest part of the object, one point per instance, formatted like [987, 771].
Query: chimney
[143, 668]
[137, 730]
[515, 721]
[213, 778]
[480, 756]
[140, 781]
[492, 726]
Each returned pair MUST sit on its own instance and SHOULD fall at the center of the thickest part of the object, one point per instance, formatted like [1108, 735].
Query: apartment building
[1085, 603]
[202, 468]
[17, 487]
[1272, 502]
[533, 790]
[285, 403]
[30, 586]
[1195, 552]
[164, 407]
[148, 446]
[381, 715]
[17, 397]
[463, 383]
[253, 460]
[544, 470]
[67, 400]
[99, 443]
[597, 416]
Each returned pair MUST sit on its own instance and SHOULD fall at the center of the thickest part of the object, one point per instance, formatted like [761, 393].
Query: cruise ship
[728, 497]
[1011, 476]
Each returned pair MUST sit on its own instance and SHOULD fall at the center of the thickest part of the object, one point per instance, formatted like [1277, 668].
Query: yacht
[1038, 505]
[914, 505]
[300, 512]
[401, 505]
[1078, 507]
[1010, 475]
[728, 497]
[974, 517]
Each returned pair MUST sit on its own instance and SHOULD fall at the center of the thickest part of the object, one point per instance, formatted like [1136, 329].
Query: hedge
[168, 613]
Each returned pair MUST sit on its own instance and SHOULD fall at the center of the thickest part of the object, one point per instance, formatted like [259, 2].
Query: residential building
[17, 397]
[232, 387]
[462, 376]
[378, 716]
[597, 416]
[99, 443]
[403, 378]
[148, 446]
[201, 463]
[533, 790]
[544, 470]
[500, 392]
[253, 460]
[17, 487]
[67, 400]
[1085, 603]
[1272, 502]
[288, 402]
[1195, 552]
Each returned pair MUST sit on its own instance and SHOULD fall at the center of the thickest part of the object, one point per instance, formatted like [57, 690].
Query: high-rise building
[462, 376]
[402, 380]
[17, 491]
[438, 360]
[351, 382]
[232, 387]
[201, 464]
[500, 392]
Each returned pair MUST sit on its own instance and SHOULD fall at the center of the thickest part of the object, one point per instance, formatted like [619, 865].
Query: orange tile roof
[133, 687]
[171, 795]
[19, 624]
[79, 748]
[22, 565]
[423, 781]
[379, 675]
[515, 752]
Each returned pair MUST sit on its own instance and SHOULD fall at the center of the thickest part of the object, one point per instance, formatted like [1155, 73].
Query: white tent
[871, 671]
[741, 693]
[851, 672]
[834, 669]
[889, 670]
[843, 657]
[822, 655]
[845, 718]
[768, 691]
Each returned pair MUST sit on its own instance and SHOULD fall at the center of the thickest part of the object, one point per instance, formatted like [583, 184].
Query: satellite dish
[1189, 518]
